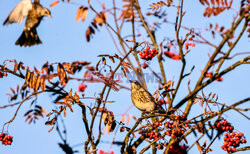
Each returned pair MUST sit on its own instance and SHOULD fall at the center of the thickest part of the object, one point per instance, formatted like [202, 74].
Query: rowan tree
[180, 52]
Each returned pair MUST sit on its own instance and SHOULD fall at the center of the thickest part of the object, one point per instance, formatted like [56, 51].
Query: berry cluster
[6, 140]
[171, 55]
[177, 149]
[175, 126]
[189, 44]
[175, 132]
[150, 134]
[148, 54]
[82, 87]
[162, 101]
[232, 141]
[175, 129]
[223, 125]
[2, 74]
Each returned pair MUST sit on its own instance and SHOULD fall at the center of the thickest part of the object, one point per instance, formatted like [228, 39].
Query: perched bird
[35, 13]
[143, 100]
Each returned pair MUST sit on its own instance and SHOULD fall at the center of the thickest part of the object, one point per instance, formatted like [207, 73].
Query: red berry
[241, 134]
[82, 87]
[144, 66]
[159, 146]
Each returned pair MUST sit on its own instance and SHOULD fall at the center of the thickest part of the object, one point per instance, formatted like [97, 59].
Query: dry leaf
[51, 129]
[81, 13]
[100, 18]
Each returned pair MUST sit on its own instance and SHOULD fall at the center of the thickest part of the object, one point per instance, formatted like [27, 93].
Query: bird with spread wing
[35, 13]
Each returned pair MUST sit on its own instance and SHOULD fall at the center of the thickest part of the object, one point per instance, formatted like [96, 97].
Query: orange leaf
[122, 119]
[84, 13]
[79, 13]
[51, 129]
[54, 3]
[100, 18]
[65, 113]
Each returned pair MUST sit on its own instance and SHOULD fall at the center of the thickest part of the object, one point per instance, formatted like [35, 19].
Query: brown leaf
[51, 122]
[51, 129]
[100, 18]
[13, 91]
[97, 64]
[28, 112]
[64, 112]
[15, 67]
[30, 121]
[70, 107]
[216, 27]
[226, 3]
[43, 85]
[48, 114]
[206, 1]
[124, 72]
[88, 33]
[202, 2]
[104, 60]
[115, 88]
[112, 59]
[17, 88]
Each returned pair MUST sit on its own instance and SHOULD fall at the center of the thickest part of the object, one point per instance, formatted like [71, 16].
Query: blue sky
[64, 40]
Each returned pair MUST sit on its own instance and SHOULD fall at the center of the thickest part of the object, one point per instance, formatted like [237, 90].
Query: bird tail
[28, 38]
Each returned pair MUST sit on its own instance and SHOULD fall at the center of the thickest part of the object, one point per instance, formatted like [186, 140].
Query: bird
[143, 100]
[35, 13]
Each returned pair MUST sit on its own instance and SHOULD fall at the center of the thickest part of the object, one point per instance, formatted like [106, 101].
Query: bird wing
[19, 12]
[147, 96]
[150, 98]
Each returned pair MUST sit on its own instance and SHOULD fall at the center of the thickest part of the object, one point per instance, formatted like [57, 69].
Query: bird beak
[50, 16]
[130, 81]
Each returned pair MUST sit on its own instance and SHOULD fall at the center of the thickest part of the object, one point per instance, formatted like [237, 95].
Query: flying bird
[35, 13]
[143, 100]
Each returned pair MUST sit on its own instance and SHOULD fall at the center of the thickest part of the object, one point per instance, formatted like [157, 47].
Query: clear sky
[64, 40]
